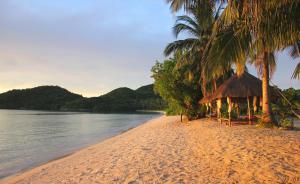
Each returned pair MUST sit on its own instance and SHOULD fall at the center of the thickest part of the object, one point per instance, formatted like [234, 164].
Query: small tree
[178, 87]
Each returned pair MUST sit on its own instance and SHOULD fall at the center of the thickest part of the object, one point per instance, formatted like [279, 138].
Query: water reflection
[29, 138]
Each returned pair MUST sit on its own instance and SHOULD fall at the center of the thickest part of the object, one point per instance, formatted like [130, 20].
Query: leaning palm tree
[255, 29]
[199, 26]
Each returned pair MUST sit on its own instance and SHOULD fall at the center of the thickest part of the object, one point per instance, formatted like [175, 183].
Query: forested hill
[41, 98]
[57, 98]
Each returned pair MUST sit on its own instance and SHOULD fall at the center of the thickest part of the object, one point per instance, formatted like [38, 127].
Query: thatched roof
[205, 99]
[239, 86]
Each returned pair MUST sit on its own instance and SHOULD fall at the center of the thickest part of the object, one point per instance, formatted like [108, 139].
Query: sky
[90, 47]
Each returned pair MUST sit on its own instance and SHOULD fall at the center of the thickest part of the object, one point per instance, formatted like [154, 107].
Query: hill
[120, 100]
[39, 98]
[57, 98]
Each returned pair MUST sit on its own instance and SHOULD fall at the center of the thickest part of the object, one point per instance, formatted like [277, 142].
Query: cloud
[88, 46]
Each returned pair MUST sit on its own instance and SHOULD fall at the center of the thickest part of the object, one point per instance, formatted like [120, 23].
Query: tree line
[56, 98]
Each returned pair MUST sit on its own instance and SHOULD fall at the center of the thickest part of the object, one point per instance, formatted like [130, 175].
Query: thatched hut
[205, 100]
[244, 88]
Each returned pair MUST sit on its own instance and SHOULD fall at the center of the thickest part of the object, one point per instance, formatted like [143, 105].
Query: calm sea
[30, 138]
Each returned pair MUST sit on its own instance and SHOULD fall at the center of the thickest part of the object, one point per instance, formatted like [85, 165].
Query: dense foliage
[245, 31]
[286, 106]
[178, 88]
[182, 81]
[39, 98]
[56, 98]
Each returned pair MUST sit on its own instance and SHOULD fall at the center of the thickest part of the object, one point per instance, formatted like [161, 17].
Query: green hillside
[57, 98]
[120, 100]
[39, 98]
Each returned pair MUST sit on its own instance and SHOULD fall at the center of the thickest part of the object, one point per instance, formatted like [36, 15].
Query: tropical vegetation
[230, 34]
[178, 88]
[189, 81]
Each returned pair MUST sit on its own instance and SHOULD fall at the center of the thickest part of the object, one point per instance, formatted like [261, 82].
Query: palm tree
[199, 27]
[252, 31]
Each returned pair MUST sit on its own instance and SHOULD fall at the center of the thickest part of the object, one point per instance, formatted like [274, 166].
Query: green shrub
[287, 123]
[196, 112]
[261, 124]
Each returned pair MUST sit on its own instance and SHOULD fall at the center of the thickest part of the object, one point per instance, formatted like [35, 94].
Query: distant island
[55, 98]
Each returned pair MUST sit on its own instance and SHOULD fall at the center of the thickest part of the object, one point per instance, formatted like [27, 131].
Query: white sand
[166, 151]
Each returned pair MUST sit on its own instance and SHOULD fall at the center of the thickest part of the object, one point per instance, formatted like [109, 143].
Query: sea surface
[31, 138]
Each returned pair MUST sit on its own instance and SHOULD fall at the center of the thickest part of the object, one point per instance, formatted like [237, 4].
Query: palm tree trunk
[215, 85]
[266, 103]
[203, 85]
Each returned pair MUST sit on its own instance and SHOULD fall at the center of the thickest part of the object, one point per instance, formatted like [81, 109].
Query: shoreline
[91, 112]
[34, 166]
[164, 150]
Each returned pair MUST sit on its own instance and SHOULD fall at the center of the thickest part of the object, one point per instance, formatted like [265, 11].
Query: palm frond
[296, 73]
[186, 44]
[271, 58]
[230, 45]
[295, 50]
[279, 25]
[187, 20]
[179, 28]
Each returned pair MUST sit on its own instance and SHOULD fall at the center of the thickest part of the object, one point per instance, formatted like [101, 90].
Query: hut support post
[220, 116]
[207, 112]
[249, 110]
[219, 105]
[255, 104]
[238, 111]
[210, 106]
[229, 109]
[230, 113]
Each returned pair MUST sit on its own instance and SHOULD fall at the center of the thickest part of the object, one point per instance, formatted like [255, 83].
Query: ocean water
[31, 138]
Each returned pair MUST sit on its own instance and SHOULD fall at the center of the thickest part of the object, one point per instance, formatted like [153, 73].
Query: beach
[163, 150]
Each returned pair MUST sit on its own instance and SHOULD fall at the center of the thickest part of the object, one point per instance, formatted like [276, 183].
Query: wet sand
[164, 150]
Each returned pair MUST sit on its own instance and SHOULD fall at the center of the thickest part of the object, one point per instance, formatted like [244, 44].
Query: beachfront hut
[235, 90]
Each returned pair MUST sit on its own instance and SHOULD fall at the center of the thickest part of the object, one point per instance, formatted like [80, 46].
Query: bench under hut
[208, 104]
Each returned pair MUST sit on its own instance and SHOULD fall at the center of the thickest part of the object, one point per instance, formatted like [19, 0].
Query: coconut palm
[199, 26]
[251, 30]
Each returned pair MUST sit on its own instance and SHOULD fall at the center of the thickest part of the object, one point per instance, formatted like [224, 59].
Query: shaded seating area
[237, 95]
[208, 104]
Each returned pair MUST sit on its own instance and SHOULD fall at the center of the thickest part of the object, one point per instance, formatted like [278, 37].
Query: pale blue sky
[87, 46]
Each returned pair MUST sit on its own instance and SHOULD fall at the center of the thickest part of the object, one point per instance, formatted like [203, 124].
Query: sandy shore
[166, 151]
